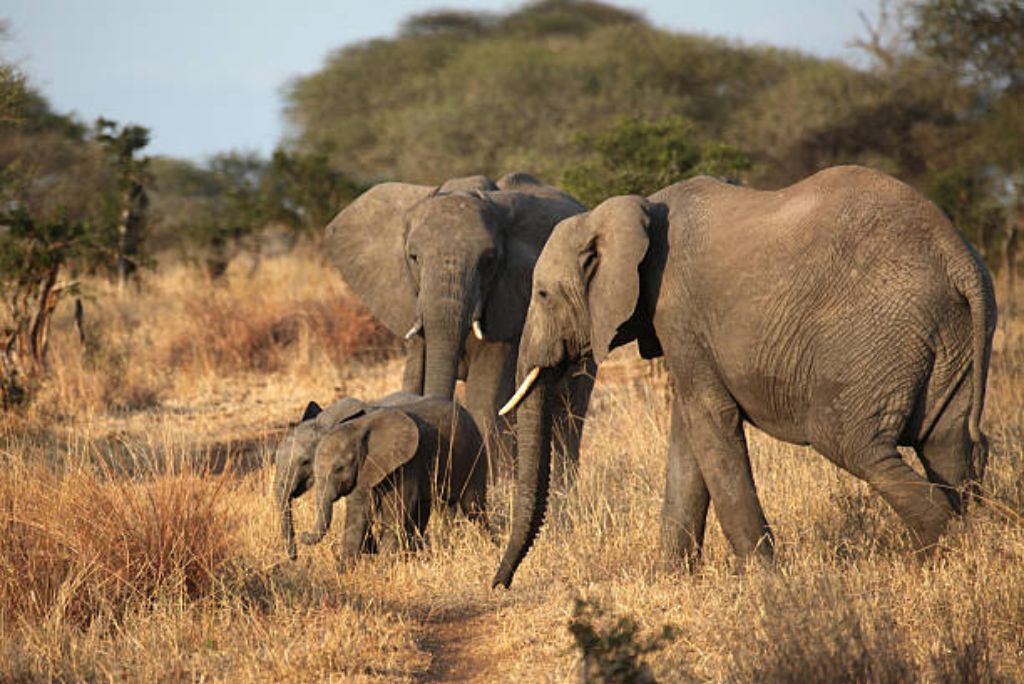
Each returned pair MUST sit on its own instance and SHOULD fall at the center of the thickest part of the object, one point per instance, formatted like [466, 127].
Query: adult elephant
[449, 268]
[843, 312]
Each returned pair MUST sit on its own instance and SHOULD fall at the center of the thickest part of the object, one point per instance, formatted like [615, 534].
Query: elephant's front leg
[412, 376]
[490, 381]
[685, 509]
[713, 426]
[405, 512]
[567, 428]
[357, 537]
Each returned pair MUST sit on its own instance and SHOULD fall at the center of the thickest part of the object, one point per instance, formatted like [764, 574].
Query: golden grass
[123, 558]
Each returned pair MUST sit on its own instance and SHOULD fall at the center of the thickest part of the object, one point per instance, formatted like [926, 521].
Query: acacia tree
[122, 144]
[56, 190]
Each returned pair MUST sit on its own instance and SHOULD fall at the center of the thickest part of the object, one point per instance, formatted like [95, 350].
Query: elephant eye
[413, 257]
[542, 294]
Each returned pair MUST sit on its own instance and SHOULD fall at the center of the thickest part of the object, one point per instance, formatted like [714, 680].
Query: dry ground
[138, 541]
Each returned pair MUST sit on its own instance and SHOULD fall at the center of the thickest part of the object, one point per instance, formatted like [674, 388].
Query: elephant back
[458, 457]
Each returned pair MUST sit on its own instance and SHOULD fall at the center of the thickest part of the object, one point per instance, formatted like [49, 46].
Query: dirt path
[458, 648]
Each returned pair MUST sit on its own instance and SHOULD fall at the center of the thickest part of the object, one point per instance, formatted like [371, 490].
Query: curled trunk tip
[325, 509]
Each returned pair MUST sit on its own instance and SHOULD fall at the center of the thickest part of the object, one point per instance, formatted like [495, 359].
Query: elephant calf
[390, 458]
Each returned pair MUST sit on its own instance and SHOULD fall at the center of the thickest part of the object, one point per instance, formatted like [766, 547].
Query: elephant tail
[972, 280]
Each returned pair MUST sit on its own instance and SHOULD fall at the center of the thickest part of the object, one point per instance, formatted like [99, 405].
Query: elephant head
[293, 458]
[586, 300]
[361, 452]
[441, 262]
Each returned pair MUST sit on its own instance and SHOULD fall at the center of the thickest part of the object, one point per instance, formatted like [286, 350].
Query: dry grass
[173, 573]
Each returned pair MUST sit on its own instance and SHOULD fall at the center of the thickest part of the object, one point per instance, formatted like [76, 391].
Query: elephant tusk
[477, 330]
[531, 377]
[414, 330]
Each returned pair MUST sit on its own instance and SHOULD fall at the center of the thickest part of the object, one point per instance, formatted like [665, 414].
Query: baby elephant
[390, 458]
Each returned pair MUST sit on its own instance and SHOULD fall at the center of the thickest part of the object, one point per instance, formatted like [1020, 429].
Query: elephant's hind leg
[947, 453]
[685, 509]
[567, 429]
[490, 381]
[924, 508]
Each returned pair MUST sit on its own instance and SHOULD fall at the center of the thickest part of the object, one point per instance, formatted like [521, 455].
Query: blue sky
[207, 75]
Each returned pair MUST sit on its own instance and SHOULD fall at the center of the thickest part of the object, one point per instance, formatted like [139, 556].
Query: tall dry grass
[151, 567]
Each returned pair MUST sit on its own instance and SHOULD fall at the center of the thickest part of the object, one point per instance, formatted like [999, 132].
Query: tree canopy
[551, 87]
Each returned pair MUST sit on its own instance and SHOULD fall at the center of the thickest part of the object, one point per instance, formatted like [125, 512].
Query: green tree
[234, 210]
[42, 232]
[981, 44]
[303, 192]
[56, 190]
[983, 41]
[490, 94]
[122, 145]
[33, 253]
[634, 156]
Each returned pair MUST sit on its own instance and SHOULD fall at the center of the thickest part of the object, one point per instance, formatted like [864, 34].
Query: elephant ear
[392, 439]
[366, 242]
[467, 184]
[339, 411]
[615, 242]
[312, 411]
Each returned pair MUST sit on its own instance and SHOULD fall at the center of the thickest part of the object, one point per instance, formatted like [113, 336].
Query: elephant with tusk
[449, 268]
[844, 312]
[391, 458]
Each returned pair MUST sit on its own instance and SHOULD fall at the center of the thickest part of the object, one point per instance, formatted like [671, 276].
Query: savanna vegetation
[165, 320]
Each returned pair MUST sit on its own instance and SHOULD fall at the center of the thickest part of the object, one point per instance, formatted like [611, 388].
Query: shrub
[75, 547]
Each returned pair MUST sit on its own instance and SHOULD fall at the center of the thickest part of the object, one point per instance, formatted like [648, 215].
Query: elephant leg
[685, 509]
[924, 509]
[473, 504]
[391, 520]
[357, 537]
[489, 382]
[567, 428]
[417, 519]
[714, 429]
[412, 376]
[948, 454]
[404, 513]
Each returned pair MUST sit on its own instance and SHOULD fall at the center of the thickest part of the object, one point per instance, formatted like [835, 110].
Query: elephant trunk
[324, 513]
[531, 500]
[445, 326]
[288, 529]
[284, 502]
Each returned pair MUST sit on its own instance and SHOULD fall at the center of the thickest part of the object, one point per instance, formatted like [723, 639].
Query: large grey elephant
[449, 268]
[390, 457]
[843, 312]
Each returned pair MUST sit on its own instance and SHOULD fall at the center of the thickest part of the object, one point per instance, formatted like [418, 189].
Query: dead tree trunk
[24, 343]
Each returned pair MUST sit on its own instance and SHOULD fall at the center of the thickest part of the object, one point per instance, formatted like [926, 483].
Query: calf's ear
[392, 440]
